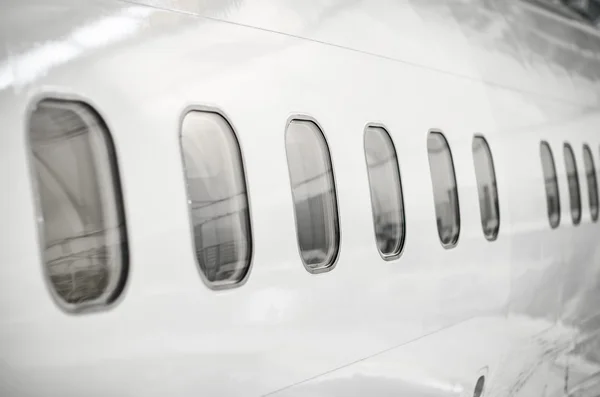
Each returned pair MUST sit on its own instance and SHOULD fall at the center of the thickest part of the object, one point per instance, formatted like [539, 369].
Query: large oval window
[486, 186]
[313, 191]
[386, 192]
[83, 231]
[445, 194]
[217, 198]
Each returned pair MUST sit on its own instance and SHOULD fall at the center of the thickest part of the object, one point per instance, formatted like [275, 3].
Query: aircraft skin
[522, 310]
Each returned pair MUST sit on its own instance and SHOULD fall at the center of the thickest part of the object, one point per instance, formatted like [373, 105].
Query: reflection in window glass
[592, 181]
[486, 186]
[84, 239]
[313, 191]
[573, 179]
[445, 194]
[551, 183]
[386, 191]
[217, 197]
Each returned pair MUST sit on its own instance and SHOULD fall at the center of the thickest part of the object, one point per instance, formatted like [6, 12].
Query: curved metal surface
[524, 307]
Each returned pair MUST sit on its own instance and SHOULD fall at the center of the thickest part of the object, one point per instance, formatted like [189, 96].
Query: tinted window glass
[386, 191]
[83, 233]
[573, 179]
[217, 196]
[313, 191]
[486, 186]
[445, 194]
[592, 182]
[551, 183]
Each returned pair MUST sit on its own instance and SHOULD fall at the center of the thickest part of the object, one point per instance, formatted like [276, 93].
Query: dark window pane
[551, 183]
[445, 193]
[592, 181]
[83, 231]
[313, 191]
[573, 179]
[386, 191]
[217, 196]
[487, 188]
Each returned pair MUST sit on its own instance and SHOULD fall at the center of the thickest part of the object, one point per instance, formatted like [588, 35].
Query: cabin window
[82, 229]
[445, 194]
[386, 191]
[217, 198]
[479, 387]
[573, 181]
[551, 183]
[592, 181]
[486, 187]
[314, 195]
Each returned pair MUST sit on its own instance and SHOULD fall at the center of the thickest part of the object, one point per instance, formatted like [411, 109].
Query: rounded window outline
[482, 373]
[593, 214]
[119, 291]
[576, 220]
[217, 111]
[553, 225]
[338, 229]
[455, 241]
[490, 156]
[398, 253]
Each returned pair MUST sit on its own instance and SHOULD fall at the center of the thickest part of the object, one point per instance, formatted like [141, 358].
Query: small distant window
[573, 179]
[386, 191]
[479, 387]
[592, 181]
[551, 183]
[486, 186]
[83, 233]
[445, 194]
[313, 191]
[217, 198]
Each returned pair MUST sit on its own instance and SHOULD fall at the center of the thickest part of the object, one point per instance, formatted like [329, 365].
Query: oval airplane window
[217, 198]
[83, 232]
[551, 184]
[445, 194]
[386, 192]
[479, 386]
[592, 181]
[314, 195]
[573, 179]
[487, 188]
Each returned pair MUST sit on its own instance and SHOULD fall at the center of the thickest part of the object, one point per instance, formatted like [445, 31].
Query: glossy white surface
[520, 310]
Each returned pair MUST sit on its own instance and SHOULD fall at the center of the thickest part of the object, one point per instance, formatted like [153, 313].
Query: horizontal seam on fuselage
[372, 355]
[381, 56]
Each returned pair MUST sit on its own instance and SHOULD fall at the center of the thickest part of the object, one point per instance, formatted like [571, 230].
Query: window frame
[492, 169]
[119, 291]
[575, 220]
[337, 224]
[456, 240]
[219, 112]
[546, 144]
[398, 253]
[587, 149]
